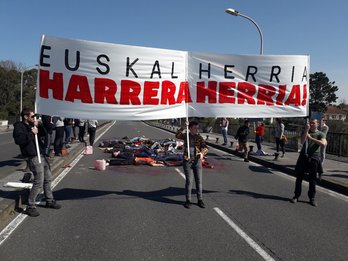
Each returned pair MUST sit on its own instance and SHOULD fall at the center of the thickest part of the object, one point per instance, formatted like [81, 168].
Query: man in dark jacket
[242, 136]
[24, 135]
[309, 160]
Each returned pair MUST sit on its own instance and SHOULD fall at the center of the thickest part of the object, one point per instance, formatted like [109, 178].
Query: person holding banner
[24, 133]
[194, 151]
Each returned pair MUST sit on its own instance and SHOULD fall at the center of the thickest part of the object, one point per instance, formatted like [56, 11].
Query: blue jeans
[224, 135]
[68, 132]
[193, 169]
[42, 180]
[258, 141]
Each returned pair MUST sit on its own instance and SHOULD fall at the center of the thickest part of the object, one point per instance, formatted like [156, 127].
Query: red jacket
[260, 131]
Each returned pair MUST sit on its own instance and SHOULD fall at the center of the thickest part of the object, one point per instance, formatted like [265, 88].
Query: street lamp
[22, 76]
[236, 13]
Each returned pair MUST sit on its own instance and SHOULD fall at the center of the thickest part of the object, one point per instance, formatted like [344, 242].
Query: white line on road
[248, 239]
[10, 228]
[239, 231]
[180, 172]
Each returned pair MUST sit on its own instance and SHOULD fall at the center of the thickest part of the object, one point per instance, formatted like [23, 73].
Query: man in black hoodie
[24, 135]
[242, 136]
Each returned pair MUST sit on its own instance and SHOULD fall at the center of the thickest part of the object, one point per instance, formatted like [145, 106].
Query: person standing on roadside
[49, 127]
[59, 138]
[76, 129]
[92, 128]
[242, 136]
[82, 130]
[278, 134]
[194, 153]
[324, 129]
[309, 160]
[224, 128]
[68, 130]
[259, 133]
[24, 135]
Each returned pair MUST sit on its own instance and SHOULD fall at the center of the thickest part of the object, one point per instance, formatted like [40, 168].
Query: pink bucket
[88, 150]
[100, 164]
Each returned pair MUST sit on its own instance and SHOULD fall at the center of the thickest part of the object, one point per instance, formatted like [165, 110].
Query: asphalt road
[136, 213]
[10, 158]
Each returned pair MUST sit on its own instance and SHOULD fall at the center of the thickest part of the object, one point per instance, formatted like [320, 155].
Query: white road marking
[180, 172]
[241, 233]
[10, 228]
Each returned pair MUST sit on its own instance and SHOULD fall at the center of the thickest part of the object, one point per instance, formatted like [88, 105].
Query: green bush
[3, 115]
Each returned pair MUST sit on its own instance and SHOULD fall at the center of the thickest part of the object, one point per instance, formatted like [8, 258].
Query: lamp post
[22, 76]
[236, 13]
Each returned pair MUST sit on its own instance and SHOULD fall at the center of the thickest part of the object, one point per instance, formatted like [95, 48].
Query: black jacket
[47, 123]
[242, 133]
[26, 139]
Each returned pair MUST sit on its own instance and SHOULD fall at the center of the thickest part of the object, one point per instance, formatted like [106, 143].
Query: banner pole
[36, 138]
[187, 132]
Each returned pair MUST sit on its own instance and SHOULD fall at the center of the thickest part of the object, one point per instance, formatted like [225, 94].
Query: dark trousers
[82, 133]
[91, 132]
[59, 140]
[310, 166]
[258, 141]
[193, 170]
[280, 143]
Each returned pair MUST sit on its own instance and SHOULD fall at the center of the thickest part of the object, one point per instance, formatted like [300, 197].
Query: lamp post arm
[258, 28]
[21, 101]
[22, 79]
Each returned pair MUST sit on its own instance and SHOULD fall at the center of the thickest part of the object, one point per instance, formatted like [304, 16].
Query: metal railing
[337, 142]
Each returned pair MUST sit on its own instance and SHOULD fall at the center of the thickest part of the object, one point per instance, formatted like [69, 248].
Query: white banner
[85, 79]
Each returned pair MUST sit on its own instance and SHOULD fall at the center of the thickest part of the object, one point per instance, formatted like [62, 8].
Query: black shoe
[201, 204]
[319, 176]
[187, 204]
[313, 202]
[294, 200]
[246, 160]
[53, 204]
[32, 212]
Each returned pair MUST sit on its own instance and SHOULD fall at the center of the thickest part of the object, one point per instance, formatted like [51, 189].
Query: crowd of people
[67, 130]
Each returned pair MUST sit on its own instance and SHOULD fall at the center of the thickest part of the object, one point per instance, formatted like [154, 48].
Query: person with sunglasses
[24, 135]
